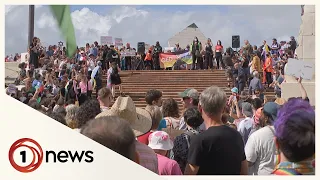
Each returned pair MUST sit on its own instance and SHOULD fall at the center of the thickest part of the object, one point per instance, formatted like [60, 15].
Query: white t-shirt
[91, 65]
[261, 150]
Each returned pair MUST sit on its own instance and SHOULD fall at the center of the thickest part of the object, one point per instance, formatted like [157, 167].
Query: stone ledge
[291, 89]
[309, 9]
[308, 25]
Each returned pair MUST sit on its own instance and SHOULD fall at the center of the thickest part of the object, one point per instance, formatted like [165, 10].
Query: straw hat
[139, 119]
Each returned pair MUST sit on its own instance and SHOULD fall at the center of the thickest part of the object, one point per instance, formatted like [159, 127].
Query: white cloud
[134, 24]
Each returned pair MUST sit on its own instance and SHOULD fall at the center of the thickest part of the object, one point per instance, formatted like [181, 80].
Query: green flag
[63, 16]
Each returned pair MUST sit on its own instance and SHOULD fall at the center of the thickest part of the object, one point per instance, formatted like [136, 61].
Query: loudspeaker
[236, 41]
[141, 47]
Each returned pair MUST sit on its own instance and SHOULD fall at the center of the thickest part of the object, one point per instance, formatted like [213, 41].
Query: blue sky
[102, 9]
[254, 23]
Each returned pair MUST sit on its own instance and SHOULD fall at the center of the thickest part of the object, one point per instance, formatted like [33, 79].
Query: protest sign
[118, 42]
[128, 53]
[106, 40]
[299, 68]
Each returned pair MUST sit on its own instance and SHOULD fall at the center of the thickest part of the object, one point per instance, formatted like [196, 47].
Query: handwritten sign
[118, 42]
[106, 40]
[128, 53]
[299, 68]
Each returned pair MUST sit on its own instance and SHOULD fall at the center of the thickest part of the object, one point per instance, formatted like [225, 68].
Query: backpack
[189, 136]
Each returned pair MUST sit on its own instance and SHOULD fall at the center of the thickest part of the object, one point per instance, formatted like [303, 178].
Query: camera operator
[112, 55]
[292, 45]
[34, 53]
[104, 60]
[155, 55]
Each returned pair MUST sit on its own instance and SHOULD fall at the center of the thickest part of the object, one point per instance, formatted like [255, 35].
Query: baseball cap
[234, 90]
[160, 140]
[191, 93]
[247, 109]
[272, 109]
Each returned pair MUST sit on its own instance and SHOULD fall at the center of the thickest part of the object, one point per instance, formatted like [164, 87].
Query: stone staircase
[136, 83]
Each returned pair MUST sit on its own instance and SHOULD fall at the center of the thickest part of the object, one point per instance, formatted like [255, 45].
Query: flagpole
[31, 24]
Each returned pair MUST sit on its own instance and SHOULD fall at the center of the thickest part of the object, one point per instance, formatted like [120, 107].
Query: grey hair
[255, 73]
[71, 112]
[213, 100]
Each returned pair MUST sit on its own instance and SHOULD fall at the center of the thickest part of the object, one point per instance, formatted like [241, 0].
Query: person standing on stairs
[195, 50]
[155, 55]
[208, 55]
[113, 78]
[218, 55]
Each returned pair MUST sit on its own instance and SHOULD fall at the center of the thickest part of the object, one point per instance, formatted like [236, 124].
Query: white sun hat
[160, 140]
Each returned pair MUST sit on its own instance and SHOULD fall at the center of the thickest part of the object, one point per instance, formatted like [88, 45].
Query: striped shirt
[147, 157]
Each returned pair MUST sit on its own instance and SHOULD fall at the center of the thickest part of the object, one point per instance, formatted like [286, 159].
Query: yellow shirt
[256, 64]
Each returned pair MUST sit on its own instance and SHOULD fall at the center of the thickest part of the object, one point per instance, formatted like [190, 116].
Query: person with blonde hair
[104, 98]
[70, 117]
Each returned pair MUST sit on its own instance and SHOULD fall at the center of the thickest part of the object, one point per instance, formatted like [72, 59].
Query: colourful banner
[169, 59]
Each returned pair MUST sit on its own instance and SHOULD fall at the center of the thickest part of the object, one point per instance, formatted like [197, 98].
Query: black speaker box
[236, 41]
[141, 47]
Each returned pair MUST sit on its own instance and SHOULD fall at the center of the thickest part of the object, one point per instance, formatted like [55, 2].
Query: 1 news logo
[28, 151]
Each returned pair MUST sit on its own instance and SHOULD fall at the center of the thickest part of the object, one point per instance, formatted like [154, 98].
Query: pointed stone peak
[193, 25]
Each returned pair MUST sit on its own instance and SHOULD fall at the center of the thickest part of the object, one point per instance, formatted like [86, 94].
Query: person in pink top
[161, 143]
[85, 89]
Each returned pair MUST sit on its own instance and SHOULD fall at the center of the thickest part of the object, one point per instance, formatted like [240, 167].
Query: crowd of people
[243, 134]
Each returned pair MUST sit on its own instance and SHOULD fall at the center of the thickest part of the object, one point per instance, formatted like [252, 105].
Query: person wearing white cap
[161, 143]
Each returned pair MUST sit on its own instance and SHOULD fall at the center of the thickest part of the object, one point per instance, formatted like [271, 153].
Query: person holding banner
[195, 50]
[128, 58]
[157, 49]
[148, 60]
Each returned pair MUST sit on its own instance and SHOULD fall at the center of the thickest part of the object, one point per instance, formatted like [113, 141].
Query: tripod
[140, 63]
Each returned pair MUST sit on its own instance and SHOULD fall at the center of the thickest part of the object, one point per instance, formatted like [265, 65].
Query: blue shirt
[162, 124]
[244, 128]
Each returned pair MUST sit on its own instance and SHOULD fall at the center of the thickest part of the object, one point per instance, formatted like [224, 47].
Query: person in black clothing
[293, 44]
[219, 150]
[128, 59]
[34, 53]
[112, 54]
[208, 55]
[239, 75]
[196, 48]
[155, 55]
[104, 61]
[246, 68]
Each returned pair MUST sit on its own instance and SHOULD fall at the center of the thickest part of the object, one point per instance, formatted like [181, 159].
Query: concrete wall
[306, 52]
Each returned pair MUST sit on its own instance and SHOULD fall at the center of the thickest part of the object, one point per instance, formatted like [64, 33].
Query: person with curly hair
[87, 111]
[70, 116]
[58, 117]
[170, 112]
[181, 143]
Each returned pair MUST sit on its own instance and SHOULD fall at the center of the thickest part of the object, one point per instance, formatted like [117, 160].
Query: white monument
[306, 52]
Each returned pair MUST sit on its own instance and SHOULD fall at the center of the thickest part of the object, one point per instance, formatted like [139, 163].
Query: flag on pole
[63, 16]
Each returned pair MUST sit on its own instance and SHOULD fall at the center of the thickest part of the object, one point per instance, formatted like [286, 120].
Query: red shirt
[144, 139]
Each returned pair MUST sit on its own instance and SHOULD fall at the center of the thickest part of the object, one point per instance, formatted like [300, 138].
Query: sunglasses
[185, 98]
